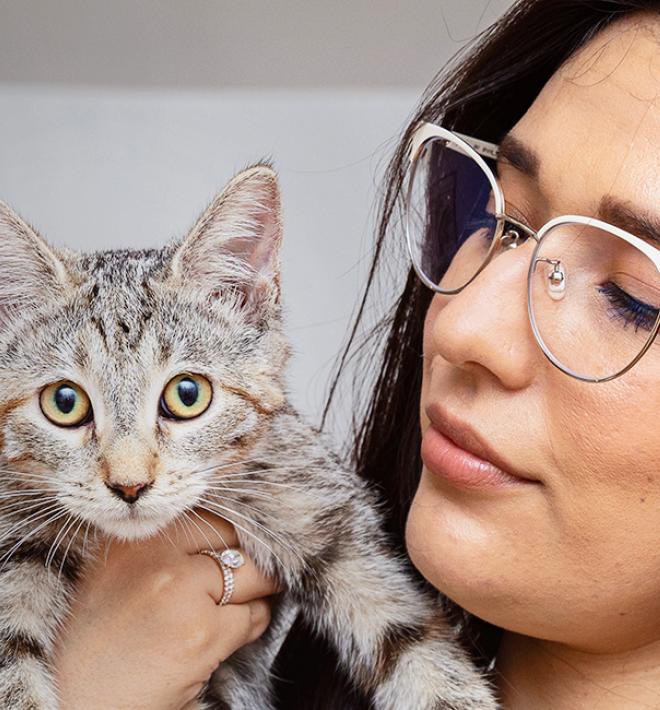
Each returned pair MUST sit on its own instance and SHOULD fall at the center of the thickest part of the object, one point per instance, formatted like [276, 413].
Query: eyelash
[629, 309]
[476, 224]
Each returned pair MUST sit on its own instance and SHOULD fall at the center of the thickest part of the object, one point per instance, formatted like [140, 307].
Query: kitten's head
[129, 378]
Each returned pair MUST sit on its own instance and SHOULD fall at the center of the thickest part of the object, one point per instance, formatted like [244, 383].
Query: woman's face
[572, 556]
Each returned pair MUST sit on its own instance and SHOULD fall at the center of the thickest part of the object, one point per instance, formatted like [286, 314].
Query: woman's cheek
[604, 451]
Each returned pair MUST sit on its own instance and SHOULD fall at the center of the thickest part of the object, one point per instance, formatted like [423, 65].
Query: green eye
[186, 396]
[65, 404]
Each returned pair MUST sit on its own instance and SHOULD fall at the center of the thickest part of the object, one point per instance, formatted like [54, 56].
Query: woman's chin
[463, 554]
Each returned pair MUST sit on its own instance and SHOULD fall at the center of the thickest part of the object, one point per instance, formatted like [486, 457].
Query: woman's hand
[146, 632]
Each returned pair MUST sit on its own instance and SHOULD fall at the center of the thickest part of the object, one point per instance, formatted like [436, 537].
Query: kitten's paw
[435, 675]
[200, 705]
[25, 685]
[478, 698]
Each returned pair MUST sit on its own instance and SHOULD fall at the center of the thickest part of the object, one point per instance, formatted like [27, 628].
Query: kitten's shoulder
[291, 433]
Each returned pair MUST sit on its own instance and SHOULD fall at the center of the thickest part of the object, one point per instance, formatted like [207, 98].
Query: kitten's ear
[31, 273]
[235, 243]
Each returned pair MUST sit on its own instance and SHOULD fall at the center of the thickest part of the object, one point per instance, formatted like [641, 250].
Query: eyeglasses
[593, 289]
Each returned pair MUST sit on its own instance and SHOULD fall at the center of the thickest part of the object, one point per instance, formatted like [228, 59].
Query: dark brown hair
[482, 92]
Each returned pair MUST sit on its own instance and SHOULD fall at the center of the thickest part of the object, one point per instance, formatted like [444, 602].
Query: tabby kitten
[164, 368]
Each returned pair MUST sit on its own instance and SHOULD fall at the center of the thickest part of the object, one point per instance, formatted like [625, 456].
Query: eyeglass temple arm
[488, 150]
[491, 150]
[426, 130]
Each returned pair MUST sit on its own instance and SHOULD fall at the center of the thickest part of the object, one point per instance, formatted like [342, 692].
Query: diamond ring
[228, 560]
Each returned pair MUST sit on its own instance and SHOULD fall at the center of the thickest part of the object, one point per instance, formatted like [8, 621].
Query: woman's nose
[487, 322]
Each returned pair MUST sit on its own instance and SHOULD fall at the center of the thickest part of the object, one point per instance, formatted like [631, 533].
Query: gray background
[119, 120]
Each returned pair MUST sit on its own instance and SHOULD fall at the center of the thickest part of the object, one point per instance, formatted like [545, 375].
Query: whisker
[56, 542]
[18, 472]
[245, 505]
[179, 521]
[247, 532]
[191, 529]
[291, 465]
[106, 548]
[23, 507]
[21, 477]
[247, 477]
[220, 466]
[47, 522]
[40, 512]
[267, 480]
[273, 535]
[228, 489]
[164, 533]
[305, 490]
[68, 524]
[212, 467]
[30, 492]
[160, 534]
[277, 484]
[25, 521]
[66, 552]
[258, 525]
[18, 507]
[85, 538]
[268, 472]
[206, 522]
[288, 468]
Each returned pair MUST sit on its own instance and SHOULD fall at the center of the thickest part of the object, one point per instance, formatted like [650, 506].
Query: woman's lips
[444, 457]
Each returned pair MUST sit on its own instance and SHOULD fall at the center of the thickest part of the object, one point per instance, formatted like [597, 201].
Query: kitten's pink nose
[129, 493]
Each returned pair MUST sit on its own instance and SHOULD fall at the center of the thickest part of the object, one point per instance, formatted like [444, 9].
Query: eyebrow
[619, 213]
[520, 155]
[630, 218]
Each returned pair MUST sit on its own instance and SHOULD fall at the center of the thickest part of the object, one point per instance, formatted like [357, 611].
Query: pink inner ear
[31, 272]
[235, 243]
[264, 252]
[252, 224]
[260, 253]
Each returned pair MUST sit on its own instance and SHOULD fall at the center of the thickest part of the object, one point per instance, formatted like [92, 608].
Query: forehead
[595, 125]
[137, 320]
[122, 319]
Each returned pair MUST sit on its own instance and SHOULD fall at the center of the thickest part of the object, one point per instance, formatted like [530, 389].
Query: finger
[199, 530]
[239, 624]
[249, 582]
[260, 616]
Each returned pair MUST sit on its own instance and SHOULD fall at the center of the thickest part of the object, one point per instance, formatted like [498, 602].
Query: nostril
[129, 493]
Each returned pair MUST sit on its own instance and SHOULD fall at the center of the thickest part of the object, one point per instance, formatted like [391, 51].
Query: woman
[544, 544]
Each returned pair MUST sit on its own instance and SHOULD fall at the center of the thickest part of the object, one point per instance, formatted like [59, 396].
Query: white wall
[237, 43]
[117, 168]
[119, 120]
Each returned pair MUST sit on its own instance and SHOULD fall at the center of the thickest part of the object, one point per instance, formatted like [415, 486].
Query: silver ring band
[228, 560]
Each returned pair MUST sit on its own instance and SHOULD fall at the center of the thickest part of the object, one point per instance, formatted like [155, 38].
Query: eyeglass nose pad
[511, 239]
[556, 280]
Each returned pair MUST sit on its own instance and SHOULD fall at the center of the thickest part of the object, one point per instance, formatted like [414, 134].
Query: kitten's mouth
[132, 523]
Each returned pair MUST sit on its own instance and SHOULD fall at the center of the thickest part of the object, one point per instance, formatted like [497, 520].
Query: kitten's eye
[186, 396]
[65, 404]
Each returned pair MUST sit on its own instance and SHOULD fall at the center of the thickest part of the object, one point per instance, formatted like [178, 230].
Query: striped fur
[120, 324]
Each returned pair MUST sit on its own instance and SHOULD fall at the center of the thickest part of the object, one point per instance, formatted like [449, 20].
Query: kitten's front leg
[31, 605]
[396, 642]
[25, 681]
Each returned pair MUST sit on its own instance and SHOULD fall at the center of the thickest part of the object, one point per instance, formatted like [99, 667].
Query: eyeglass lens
[594, 298]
